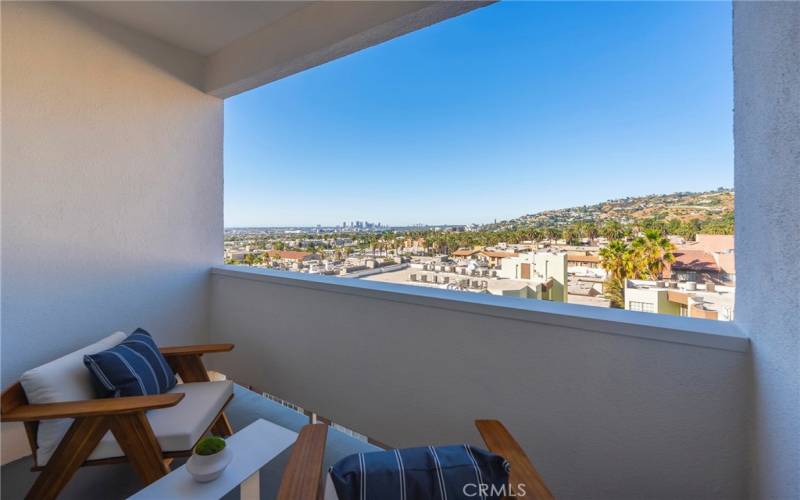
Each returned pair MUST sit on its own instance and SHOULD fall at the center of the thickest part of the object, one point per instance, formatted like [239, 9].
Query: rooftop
[290, 254]
[583, 258]
[694, 260]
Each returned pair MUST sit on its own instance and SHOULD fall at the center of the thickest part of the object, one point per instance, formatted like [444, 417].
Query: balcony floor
[119, 481]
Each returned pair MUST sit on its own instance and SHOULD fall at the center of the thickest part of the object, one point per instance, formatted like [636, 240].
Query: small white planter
[205, 468]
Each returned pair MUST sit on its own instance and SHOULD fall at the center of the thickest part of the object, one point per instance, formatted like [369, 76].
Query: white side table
[253, 447]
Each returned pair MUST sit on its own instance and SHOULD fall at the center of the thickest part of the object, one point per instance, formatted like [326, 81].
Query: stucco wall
[767, 169]
[111, 185]
[602, 416]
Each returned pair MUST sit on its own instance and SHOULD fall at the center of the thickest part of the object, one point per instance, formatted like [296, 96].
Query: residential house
[467, 253]
[493, 257]
[706, 301]
[583, 259]
[545, 267]
[292, 257]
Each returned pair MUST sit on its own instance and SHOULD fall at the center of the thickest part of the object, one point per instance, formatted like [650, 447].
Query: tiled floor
[119, 481]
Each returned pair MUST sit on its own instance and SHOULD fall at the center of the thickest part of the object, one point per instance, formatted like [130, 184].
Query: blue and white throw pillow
[443, 472]
[134, 367]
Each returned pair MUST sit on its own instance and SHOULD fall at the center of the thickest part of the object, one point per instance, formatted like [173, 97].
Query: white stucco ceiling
[201, 27]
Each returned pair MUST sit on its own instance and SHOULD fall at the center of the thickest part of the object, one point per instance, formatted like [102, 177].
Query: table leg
[250, 488]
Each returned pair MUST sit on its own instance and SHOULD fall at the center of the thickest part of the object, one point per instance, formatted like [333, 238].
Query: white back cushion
[64, 379]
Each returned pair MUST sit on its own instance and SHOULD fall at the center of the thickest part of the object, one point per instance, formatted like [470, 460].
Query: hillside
[703, 207]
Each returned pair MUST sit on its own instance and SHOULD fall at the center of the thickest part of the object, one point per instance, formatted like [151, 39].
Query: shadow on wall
[149, 50]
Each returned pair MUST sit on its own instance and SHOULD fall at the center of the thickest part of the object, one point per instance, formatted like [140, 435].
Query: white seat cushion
[330, 489]
[64, 379]
[179, 427]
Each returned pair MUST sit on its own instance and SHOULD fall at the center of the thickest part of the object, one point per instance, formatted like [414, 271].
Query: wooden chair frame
[303, 478]
[124, 417]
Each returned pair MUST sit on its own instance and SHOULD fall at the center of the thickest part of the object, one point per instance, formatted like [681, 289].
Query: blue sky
[510, 109]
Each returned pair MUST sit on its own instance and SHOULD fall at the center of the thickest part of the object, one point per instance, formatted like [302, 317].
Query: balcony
[591, 391]
[112, 219]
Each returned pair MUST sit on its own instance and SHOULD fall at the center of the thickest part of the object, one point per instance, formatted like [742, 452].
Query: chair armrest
[500, 441]
[302, 478]
[91, 407]
[194, 350]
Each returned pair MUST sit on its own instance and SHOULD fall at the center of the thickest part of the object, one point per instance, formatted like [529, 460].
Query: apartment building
[709, 259]
[590, 260]
[550, 268]
[688, 299]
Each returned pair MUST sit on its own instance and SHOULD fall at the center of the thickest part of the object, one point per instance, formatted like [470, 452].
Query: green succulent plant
[209, 445]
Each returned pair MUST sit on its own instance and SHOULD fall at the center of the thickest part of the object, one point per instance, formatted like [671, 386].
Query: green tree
[646, 257]
[615, 259]
[651, 253]
[572, 234]
[612, 230]
[552, 233]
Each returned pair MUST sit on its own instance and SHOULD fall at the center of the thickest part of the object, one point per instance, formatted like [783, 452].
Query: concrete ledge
[695, 332]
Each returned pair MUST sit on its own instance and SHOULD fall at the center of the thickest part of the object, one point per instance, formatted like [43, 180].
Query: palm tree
[653, 251]
[428, 243]
[572, 234]
[616, 260]
[592, 232]
[612, 230]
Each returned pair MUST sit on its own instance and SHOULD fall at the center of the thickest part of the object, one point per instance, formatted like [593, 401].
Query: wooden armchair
[124, 417]
[304, 479]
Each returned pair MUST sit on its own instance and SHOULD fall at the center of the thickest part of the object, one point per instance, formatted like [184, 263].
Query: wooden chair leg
[136, 438]
[222, 427]
[78, 443]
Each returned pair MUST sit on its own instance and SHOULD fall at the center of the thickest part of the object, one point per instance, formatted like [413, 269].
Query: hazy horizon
[509, 110]
[443, 224]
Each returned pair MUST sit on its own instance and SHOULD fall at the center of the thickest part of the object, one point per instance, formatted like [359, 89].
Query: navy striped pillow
[134, 367]
[457, 472]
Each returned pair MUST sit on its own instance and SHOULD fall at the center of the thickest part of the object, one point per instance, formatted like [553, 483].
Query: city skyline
[511, 109]
[365, 223]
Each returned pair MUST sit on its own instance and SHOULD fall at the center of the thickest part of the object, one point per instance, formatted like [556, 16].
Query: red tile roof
[290, 254]
[497, 254]
[583, 258]
[694, 260]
